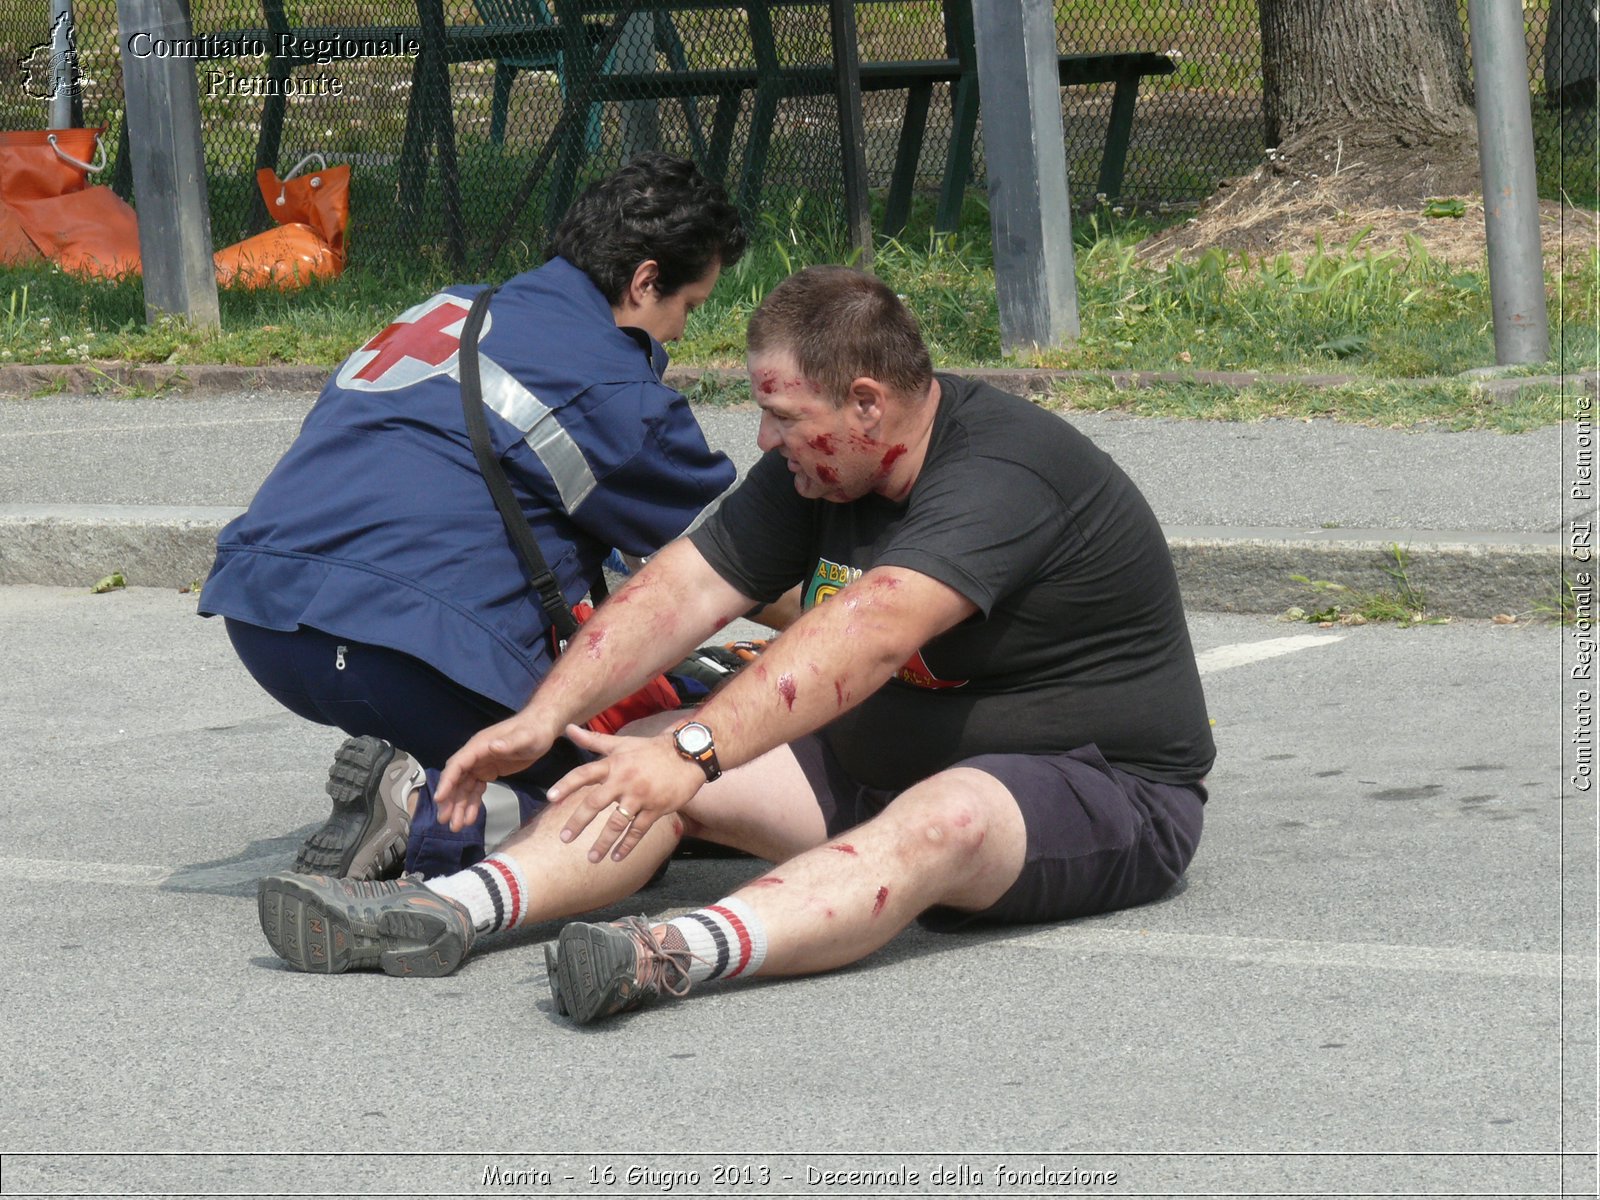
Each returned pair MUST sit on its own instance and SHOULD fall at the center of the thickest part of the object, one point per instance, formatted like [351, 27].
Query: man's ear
[643, 285]
[870, 399]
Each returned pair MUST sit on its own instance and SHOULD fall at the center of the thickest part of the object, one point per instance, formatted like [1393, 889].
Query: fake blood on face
[890, 457]
[822, 443]
[827, 474]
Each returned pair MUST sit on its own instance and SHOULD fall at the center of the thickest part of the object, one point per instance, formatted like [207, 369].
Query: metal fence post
[66, 106]
[1029, 211]
[852, 130]
[169, 168]
[1510, 188]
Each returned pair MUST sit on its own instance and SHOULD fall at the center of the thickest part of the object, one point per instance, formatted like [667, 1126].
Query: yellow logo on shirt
[828, 580]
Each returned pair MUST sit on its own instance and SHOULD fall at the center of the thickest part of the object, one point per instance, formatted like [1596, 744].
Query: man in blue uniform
[372, 586]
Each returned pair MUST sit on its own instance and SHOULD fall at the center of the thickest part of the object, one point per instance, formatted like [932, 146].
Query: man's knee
[954, 815]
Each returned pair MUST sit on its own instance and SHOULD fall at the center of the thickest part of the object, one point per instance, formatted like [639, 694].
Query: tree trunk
[1350, 68]
[1376, 89]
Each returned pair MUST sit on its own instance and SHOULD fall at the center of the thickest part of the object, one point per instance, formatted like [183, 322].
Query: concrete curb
[1459, 573]
[1221, 569]
[207, 380]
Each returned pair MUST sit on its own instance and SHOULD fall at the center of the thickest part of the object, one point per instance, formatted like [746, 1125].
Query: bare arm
[657, 617]
[828, 661]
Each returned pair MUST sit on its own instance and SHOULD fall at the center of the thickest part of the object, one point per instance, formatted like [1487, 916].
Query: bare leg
[955, 839]
[765, 807]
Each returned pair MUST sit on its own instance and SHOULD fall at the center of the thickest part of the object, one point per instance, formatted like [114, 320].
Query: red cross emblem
[422, 342]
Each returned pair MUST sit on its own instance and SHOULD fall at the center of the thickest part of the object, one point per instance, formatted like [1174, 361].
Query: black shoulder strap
[539, 573]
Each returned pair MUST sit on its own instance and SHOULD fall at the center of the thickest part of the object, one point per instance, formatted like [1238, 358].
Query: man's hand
[504, 749]
[639, 780]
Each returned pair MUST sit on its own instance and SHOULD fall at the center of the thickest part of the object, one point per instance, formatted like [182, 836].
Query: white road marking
[45, 870]
[1061, 939]
[27, 433]
[1286, 952]
[1240, 654]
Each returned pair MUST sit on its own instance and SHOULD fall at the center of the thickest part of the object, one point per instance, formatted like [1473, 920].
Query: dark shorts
[1099, 838]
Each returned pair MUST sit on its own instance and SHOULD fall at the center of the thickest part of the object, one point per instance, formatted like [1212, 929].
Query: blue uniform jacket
[377, 526]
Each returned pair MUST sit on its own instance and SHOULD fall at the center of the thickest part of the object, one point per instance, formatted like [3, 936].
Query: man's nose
[767, 434]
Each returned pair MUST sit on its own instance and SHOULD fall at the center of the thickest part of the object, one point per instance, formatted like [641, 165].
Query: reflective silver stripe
[502, 814]
[552, 444]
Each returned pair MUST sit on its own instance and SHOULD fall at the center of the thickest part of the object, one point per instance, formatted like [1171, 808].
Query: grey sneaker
[599, 970]
[365, 835]
[317, 923]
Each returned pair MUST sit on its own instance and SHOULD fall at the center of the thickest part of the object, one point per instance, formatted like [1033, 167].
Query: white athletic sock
[727, 940]
[493, 891]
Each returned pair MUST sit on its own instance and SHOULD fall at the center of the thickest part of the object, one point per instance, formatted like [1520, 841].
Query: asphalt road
[1378, 977]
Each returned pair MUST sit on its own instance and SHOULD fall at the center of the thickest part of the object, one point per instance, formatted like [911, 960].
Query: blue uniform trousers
[372, 690]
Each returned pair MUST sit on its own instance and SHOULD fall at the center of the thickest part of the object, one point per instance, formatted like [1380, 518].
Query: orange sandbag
[293, 254]
[313, 211]
[16, 247]
[320, 200]
[31, 169]
[44, 179]
[92, 232]
[46, 206]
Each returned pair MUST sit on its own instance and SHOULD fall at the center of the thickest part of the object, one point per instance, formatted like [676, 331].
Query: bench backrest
[513, 12]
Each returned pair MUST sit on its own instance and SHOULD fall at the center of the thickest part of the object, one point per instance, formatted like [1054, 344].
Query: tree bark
[1353, 69]
[1370, 97]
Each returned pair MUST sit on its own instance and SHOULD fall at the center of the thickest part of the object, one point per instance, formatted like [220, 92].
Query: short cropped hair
[841, 324]
[656, 207]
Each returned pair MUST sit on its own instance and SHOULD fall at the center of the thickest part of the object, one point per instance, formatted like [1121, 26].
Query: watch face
[694, 738]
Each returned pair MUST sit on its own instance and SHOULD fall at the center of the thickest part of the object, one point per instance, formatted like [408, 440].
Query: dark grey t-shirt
[1080, 635]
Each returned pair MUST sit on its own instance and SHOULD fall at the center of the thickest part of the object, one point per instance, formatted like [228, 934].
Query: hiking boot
[317, 923]
[365, 835]
[599, 970]
[550, 971]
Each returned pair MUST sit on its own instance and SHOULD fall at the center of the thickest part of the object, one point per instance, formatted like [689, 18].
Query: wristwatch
[693, 741]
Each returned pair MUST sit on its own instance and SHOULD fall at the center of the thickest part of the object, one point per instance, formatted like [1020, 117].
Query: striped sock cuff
[493, 891]
[511, 887]
[726, 938]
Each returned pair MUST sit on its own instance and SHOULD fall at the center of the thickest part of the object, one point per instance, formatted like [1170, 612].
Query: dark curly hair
[656, 207]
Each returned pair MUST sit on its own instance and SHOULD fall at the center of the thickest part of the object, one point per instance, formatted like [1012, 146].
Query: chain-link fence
[465, 151]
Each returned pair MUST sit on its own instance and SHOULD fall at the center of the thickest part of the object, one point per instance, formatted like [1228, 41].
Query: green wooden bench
[772, 81]
[510, 33]
[1125, 70]
[578, 43]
